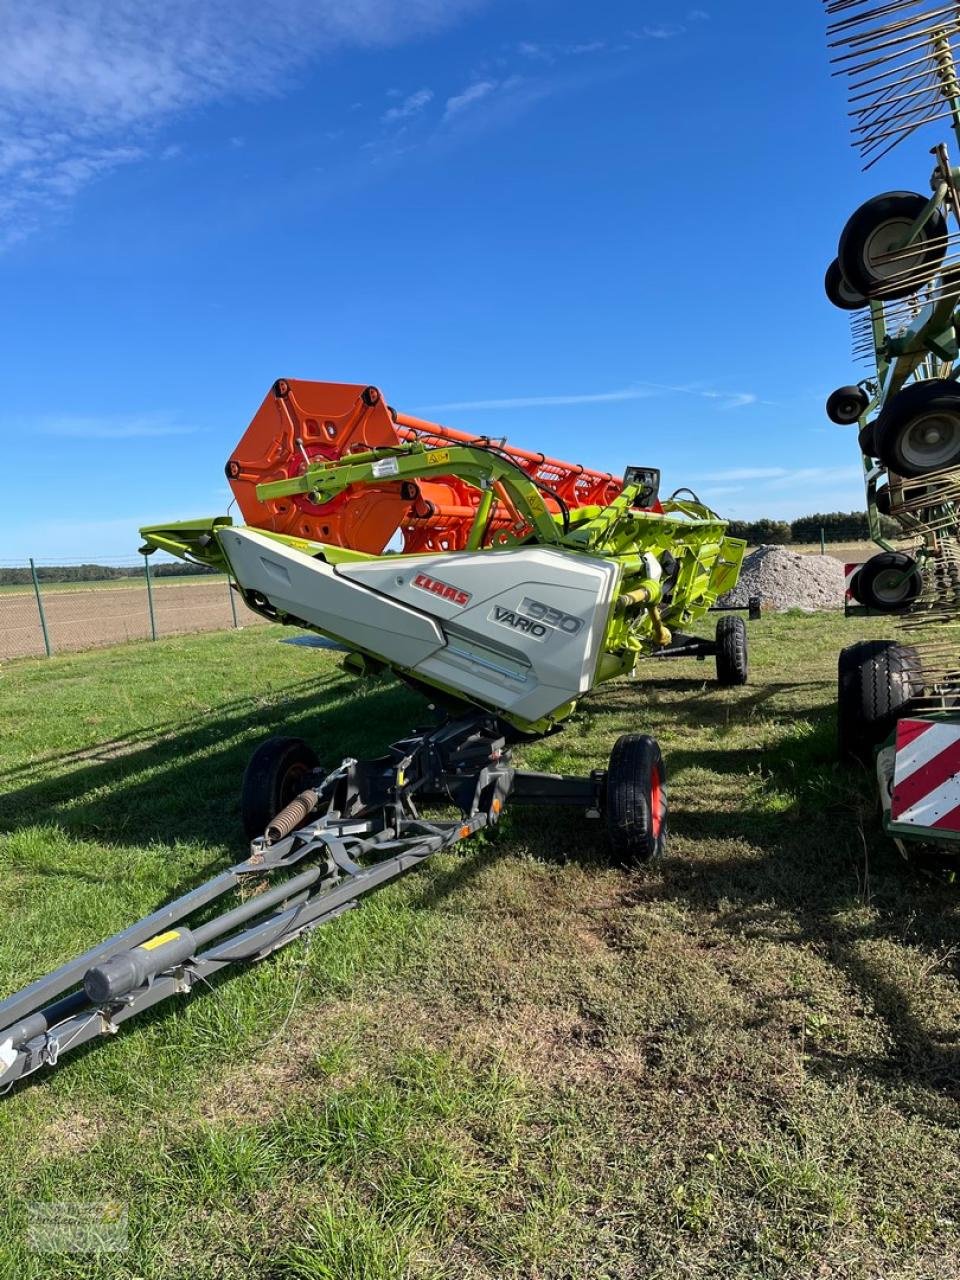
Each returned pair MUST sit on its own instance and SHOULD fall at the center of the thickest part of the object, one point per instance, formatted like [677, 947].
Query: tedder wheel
[732, 661]
[636, 800]
[870, 257]
[867, 440]
[278, 770]
[839, 292]
[883, 500]
[877, 682]
[889, 582]
[919, 429]
[846, 405]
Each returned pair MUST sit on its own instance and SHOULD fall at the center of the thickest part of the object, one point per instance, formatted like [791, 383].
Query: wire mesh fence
[48, 608]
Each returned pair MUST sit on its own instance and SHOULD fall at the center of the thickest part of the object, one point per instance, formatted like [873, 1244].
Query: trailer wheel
[278, 770]
[636, 800]
[839, 292]
[732, 657]
[846, 405]
[877, 680]
[889, 582]
[868, 255]
[867, 440]
[919, 429]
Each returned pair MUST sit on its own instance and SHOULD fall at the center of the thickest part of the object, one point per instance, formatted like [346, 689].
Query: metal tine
[894, 61]
[896, 33]
[935, 17]
[864, 135]
[926, 79]
[867, 145]
[911, 250]
[895, 55]
[883, 102]
[877, 11]
[880, 26]
[879, 91]
[853, 20]
[889, 39]
[928, 61]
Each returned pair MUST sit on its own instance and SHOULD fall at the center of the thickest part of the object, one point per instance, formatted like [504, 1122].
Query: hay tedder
[898, 270]
[502, 584]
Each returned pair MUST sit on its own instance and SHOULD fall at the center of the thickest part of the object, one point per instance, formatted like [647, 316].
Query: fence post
[153, 620]
[823, 542]
[43, 616]
[233, 601]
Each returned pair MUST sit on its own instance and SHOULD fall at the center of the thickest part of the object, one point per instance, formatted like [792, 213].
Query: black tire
[847, 405]
[918, 431]
[878, 680]
[872, 233]
[733, 666]
[636, 801]
[839, 292]
[888, 582]
[883, 500]
[278, 770]
[867, 440]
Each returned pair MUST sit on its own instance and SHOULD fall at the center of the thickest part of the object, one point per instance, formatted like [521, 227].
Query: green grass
[516, 1062]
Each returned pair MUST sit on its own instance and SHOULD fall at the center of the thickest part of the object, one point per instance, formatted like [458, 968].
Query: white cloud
[638, 391]
[747, 473]
[473, 93]
[112, 427]
[543, 402]
[410, 106]
[86, 84]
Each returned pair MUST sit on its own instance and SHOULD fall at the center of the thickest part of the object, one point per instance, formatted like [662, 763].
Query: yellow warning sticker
[160, 939]
[439, 455]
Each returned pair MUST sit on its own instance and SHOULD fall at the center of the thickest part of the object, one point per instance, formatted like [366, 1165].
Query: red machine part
[300, 422]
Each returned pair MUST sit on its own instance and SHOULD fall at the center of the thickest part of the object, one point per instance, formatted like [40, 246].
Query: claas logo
[441, 589]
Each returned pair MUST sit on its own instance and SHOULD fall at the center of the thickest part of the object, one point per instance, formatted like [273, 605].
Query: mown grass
[516, 1062]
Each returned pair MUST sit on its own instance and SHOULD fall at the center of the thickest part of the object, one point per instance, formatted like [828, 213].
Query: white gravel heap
[784, 579]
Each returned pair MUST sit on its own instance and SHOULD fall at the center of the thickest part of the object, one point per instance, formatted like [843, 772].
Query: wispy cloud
[746, 473]
[112, 427]
[543, 402]
[638, 391]
[86, 86]
[776, 479]
[473, 93]
[410, 106]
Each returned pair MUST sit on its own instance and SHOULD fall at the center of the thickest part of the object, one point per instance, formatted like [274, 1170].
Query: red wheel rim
[656, 802]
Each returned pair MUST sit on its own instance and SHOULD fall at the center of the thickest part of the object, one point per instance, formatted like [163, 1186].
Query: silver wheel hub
[884, 255]
[932, 441]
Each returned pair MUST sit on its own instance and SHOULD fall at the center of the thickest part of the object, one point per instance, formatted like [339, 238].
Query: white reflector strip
[924, 748]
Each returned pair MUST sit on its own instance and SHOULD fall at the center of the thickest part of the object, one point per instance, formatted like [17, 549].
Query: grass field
[516, 1062]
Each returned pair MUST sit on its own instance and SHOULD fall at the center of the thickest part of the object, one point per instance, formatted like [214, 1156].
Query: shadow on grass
[186, 785]
[817, 861]
[827, 879]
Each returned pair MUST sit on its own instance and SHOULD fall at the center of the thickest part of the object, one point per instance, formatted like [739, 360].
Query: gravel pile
[787, 580]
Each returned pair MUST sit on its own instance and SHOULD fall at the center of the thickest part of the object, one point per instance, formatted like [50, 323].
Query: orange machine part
[303, 421]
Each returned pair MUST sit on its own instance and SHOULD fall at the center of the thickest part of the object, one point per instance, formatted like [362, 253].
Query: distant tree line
[96, 572]
[837, 526]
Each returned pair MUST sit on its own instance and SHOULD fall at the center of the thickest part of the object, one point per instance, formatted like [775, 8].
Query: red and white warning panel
[926, 778]
[849, 570]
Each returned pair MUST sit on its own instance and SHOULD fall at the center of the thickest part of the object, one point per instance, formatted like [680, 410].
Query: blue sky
[598, 229]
